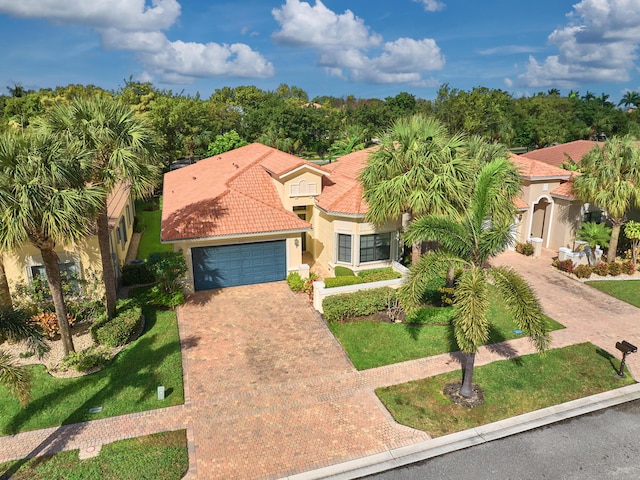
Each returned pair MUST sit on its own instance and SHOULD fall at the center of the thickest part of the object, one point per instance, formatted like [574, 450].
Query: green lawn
[511, 387]
[129, 384]
[625, 290]
[162, 455]
[149, 218]
[374, 344]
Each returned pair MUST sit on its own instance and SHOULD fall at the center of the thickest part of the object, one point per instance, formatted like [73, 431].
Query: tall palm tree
[630, 99]
[611, 179]
[416, 171]
[44, 200]
[483, 230]
[118, 146]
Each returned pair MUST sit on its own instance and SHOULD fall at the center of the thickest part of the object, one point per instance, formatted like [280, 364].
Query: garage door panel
[232, 265]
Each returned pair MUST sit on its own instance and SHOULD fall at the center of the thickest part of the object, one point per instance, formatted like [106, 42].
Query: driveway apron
[270, 391]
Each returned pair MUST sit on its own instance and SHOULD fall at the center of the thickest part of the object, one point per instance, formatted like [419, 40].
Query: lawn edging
[402, 456]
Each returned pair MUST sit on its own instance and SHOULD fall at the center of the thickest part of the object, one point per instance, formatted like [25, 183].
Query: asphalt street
[600, 445]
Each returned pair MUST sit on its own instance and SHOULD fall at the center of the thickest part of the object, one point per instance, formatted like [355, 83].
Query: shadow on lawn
[615, 363]
[136, 370]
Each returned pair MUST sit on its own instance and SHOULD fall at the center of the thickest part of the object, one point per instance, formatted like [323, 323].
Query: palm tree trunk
[613, 243]
[108, 273]
[466, 390]
[5, 294]
[451, 275]
[52, 268]
[416, 247]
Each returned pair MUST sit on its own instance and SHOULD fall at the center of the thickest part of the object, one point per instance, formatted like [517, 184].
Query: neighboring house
[556, 155]
[250, 216]
[546, 207]
[83, 258]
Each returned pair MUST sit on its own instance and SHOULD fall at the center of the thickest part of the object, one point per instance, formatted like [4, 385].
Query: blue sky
[367, 48]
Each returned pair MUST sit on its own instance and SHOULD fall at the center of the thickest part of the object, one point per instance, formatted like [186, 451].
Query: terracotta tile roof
[342, 192]
[558, 154]
[532, 169]
[565, 190]
[227, 195]
[520, 204]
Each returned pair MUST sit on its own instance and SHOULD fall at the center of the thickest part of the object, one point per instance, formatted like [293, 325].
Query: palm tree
[594, 234]
[483, 229]
[416, 171]
[611, 179]
[118, 146]
[629, 99]
[15, 327]
[44, 200]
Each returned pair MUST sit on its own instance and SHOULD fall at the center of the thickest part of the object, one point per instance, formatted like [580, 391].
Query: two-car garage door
[244, 264]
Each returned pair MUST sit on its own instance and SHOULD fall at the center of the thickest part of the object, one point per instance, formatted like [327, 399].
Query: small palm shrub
[594, 234]
[615, 269]
[524, 248]
[583, 271]
[295, 281]
[601, 268]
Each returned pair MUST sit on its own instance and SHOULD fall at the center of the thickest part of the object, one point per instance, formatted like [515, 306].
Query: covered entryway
[244, 264]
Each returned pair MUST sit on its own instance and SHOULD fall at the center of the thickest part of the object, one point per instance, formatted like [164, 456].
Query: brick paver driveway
[269, 389]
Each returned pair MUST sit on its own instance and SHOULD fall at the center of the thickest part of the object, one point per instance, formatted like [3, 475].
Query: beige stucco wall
[292, 189]
[325, 229]
[293, 251]
[567, 217]
[85, 254]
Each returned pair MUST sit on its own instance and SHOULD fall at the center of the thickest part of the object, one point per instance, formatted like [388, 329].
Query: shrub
[160, 298]
[48, 321]
[308, 284]
[168, 269]
[365, 302]
[583, 271]
[84, 360]
[85, 311]
[615, 269]
[342, 281]
[525, 248]
[601, 268]
[136, 274]
[565, 265]
[118, 330]
[378, 274]
[627, 268]
[343, 272]
[448, 295]
[295, 281]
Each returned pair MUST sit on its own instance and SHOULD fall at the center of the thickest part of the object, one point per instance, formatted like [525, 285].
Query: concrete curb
[399, 457]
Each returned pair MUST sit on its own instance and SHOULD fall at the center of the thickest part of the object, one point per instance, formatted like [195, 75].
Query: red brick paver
[270, 393]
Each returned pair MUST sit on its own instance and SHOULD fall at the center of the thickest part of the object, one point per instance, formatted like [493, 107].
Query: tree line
[327, 127]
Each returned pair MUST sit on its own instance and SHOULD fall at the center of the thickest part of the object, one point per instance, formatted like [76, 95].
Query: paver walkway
[269, 392]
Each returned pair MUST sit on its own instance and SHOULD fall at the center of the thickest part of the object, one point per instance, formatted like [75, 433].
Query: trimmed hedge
[348, 305]
[137, 274]
[340, 271]
[342, 281]
[118, 330]
[378, 274]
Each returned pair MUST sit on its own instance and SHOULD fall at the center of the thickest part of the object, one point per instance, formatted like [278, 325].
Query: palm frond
[16, 378]
[16, 326]
[523, 305]
[470, 308]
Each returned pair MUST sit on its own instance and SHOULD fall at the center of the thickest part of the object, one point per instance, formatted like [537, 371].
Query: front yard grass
[625, 290]
[149, 218]
[371, 344]
[162, 455]
[511, 387]
[128, 384]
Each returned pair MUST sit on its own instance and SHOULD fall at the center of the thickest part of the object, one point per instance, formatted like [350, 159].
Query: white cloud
[599, 44]
[343, 44]
[508, 50]
[432, 5]
[136, 26]
[317, 26]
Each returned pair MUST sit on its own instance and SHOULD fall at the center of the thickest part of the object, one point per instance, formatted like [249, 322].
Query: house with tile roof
[82, 258]
[556, 155]
[250, 216]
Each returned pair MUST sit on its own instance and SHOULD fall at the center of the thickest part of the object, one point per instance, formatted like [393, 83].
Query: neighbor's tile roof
[532, 169]
[558, 154]
[341, 190]
[229, 194]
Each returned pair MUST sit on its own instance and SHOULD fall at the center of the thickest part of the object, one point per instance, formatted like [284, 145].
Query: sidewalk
[254, 408]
